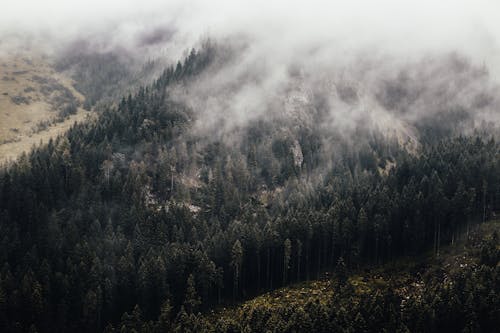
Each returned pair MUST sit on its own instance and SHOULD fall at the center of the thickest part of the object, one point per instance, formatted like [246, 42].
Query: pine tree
[236, 262]
[299, 257]
[164, 319]
[287, 251]
[341, 273]
[191, 301]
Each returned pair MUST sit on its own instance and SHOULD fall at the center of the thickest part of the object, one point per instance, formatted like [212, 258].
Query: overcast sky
[398, 26]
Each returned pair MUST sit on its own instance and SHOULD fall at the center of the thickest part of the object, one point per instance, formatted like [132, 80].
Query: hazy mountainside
[427, 99]
[43, 95]
[206, 188]
[105, 75]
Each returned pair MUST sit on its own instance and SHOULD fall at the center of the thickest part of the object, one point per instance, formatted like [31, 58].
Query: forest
[135, 222]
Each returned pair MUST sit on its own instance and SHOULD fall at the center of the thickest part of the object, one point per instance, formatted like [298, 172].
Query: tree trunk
[435, 238]
[258, 270]
[319, 261]
[307, 260]
[438, 237]
[268, 265]
[298, 269]
[333, 252]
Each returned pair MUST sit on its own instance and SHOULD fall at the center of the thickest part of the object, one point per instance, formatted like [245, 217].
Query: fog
[284, 54]
[280, 28]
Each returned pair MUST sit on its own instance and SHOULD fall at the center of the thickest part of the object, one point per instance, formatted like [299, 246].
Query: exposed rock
[296, 150]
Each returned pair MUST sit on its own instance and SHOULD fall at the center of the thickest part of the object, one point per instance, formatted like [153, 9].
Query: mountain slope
[36, 103]
[453, 292]
[145, 215]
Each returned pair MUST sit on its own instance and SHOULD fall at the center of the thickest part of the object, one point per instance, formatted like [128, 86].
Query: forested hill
[140, 211]
[454, 292]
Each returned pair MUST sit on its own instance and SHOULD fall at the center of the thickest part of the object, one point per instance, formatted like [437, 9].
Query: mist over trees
[138, 218]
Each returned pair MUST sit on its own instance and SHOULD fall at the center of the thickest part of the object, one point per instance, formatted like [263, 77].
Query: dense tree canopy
[134, 218]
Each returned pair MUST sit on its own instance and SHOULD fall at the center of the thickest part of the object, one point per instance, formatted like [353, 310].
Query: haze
[283, 28]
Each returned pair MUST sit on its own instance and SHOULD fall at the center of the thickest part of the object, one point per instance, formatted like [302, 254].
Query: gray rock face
[296, 150]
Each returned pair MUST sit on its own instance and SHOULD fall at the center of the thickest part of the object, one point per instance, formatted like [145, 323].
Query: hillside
[153, 213]
[455, 291]
[249, 166]
[36, 103]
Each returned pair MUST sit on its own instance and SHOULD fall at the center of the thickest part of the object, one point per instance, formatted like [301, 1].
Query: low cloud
[388, 62]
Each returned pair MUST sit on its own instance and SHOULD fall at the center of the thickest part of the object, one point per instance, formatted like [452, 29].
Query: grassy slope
[17, 121]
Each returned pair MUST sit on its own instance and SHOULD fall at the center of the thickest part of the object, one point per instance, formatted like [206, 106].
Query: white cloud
[397, 25]
[320, 36]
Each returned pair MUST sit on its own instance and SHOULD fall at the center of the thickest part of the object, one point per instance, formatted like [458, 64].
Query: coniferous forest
[132, 222]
